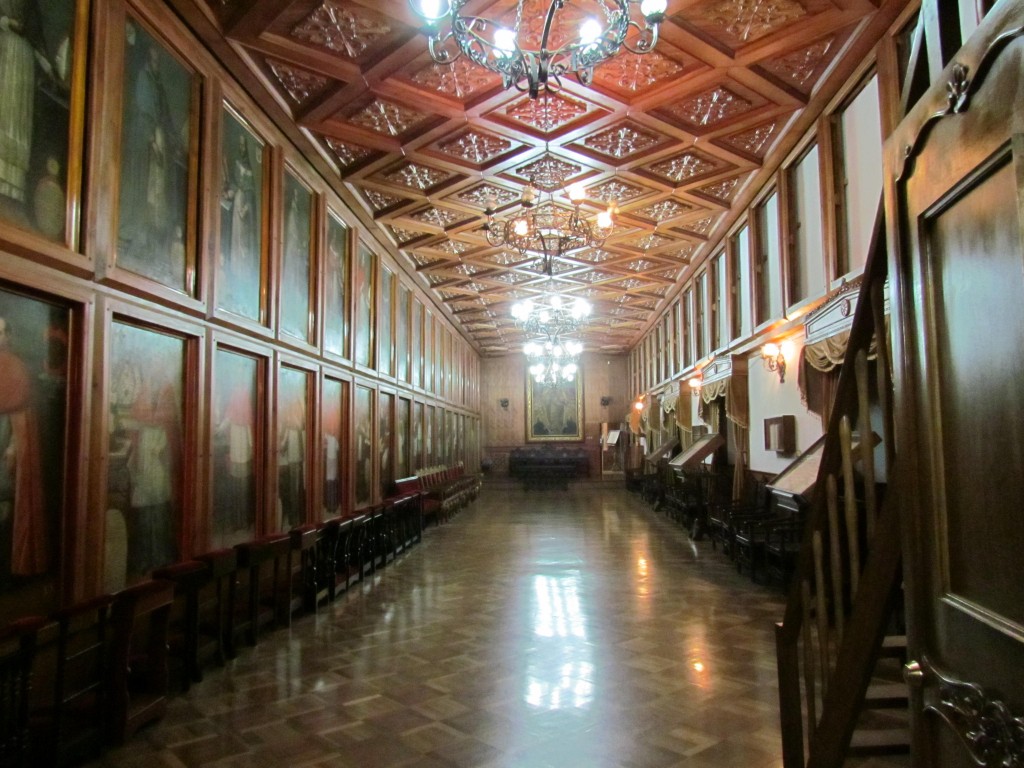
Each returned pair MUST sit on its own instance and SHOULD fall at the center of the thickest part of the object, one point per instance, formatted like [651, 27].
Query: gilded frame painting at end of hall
[554, 412]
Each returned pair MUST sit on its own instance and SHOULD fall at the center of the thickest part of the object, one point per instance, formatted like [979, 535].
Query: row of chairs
[446, 490]
[93, 673]
[87, 675]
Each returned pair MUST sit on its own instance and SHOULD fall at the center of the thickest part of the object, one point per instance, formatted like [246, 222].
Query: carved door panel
[957, 271]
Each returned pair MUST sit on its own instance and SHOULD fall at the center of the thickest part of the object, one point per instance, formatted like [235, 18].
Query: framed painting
[40, 165]
[403, 465]
[385, 441]
[416, 338]
[158, 163]
[236, 446]
[417, 437]
[146, 467]
[296, 260]
[241, 267]
[428, 445]
[385, 326]
[364, 319]
[292, 461]
[336, 287]
[554, 412]
[34, 357]
[363, 413]
[334, 404]
[402, 296]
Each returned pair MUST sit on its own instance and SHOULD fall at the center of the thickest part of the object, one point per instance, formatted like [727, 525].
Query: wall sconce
[774, 356]
[503, 402]
[606, 400]
[695, 383]
[639, 405]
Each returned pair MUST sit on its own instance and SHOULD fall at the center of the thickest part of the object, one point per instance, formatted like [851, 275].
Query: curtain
[734, 390]
[817, 388]
[739, 473]
[684, 416]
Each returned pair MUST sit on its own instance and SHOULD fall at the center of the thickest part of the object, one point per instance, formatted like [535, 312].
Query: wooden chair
[266, 563]
[189, 578]
[350, 551]
[216, 608]
[17, 652]
[138, 674]
[69, 708]
[303, 563]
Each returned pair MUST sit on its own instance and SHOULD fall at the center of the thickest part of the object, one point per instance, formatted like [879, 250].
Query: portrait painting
[417, 437]
[363, 445]
[428, 351]
[364, 320]
[403, 466]
[154, 237]
[235, 435]
[336, 287]
[554, 411]
[33, 407]
[428, 443]
[402, 295]
[416, 339]
[439, 455]
[295, 259]
[333, 405]
[292, 464]
[385, 438]
[385, 329]
[146, 453]
[37, 42]
[240, 264]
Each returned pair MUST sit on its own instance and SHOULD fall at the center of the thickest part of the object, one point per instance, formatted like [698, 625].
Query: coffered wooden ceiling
[673, 138]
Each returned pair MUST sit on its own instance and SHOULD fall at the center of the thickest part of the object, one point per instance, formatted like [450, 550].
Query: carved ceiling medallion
[744, 21]
[622, 140]
[685, 166]
[452, 247]
[483, 194]
[594, 255]
[721, 190]
[546, 113]
[387, 118]
[799, 67]
[649, 240]
[548, 172]
[475, 146]
[300, 85]
[664, 210]
[633, 73]
[615, 191]
[461, 79]
[347, 30]
[754, 141]
[437, 217]
[710, 108]
[416, 176]
[381, 200]
[403, 235]
[346, 154]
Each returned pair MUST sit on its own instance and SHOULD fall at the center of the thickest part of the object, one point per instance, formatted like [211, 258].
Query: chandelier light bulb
[432, 10]
[544, 315]
[521, 227]
[653, 9]
[504, 42]
[577, 192]
[604, 220]
[590, 31]
[556, 302]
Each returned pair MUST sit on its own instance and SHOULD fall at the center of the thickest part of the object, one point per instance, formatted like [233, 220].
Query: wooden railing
[841, 595]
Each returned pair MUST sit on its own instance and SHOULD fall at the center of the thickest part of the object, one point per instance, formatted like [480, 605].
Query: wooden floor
[538, 628]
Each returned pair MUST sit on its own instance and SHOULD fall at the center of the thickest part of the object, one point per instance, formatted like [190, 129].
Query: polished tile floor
[575, 629]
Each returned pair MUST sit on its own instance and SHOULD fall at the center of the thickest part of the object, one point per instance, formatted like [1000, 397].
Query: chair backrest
[17, 651]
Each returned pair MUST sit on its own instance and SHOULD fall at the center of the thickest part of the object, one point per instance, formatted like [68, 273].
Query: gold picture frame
[554, 412]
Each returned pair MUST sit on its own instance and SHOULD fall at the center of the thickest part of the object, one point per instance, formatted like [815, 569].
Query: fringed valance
[734, 390]
[826, 354]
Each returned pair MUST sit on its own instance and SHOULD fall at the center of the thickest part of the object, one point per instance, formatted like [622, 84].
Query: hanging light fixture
[533, 65]
[551, 318]
[546, 229]
[553, 360]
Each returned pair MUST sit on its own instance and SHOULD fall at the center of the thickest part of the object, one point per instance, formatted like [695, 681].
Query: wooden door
[956, 195]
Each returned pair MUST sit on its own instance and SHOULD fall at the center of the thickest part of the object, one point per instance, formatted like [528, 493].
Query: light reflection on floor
[560, 624]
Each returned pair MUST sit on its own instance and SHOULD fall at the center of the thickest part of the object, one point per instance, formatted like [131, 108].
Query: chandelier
[552, 361]
[552, 319]
[531, 65]
[547, 230]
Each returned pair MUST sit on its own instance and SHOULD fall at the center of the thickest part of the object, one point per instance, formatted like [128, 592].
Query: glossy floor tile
[545, 628]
